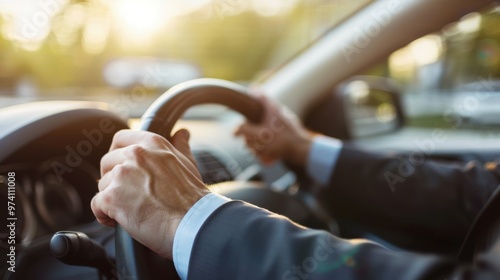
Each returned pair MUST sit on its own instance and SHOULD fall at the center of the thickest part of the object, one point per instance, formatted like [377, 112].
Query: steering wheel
[135, 261]
[160, 118]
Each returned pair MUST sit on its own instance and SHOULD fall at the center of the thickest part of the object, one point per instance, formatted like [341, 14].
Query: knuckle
[118, 135]
[137, 151]
[169, 155]
[94, 205]
[100, 185]
[103, 160]
[121, 170]
[156, 139]
[110, 195]
[102, 164]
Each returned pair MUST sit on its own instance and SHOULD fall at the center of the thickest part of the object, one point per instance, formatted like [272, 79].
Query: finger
[247, 129]
[124, 138]
[120, 156]
[120, 139]
[111, 159]
[97, 205]
[253, 143]
[239, 130]
[271, 108]
[180, 140]
[262, 99]
[105, 181]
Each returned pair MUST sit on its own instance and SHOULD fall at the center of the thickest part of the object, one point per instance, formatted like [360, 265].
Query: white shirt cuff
[322, 158]
[189, 227]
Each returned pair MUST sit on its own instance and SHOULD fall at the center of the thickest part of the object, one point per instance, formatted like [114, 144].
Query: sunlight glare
[426, 50]
[401, 60]
[269, 8]
[95, 35]
[140, 20]
[470, 23]
[28, 22]
[359, 91]
[66, 27]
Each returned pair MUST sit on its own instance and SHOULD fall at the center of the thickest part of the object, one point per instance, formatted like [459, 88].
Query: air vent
[211, 167]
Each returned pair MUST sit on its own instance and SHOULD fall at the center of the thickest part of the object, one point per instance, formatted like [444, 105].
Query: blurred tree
[232, 44]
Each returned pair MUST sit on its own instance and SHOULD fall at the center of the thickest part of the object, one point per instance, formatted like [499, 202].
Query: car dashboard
[49, 169]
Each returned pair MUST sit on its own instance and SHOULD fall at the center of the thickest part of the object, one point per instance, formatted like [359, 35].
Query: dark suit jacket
[452, 207]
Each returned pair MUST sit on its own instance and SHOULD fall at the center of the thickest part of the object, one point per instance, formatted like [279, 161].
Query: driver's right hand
[280, 135]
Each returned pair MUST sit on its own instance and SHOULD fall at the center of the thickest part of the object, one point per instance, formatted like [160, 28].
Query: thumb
[180, 140]
[248, 130]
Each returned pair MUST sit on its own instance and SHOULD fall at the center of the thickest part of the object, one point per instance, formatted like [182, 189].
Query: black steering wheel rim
[160, 118]
[162, 115]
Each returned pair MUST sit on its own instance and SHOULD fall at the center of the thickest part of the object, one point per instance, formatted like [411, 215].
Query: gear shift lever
[76, 248]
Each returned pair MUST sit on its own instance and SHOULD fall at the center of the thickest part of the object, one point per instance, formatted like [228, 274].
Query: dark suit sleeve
[407, 199]
[240, 241]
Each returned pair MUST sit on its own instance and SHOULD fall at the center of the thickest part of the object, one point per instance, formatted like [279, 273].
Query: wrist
[175, 217]
[299, 150]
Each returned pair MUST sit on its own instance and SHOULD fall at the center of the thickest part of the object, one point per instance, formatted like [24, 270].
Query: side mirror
[372, 106]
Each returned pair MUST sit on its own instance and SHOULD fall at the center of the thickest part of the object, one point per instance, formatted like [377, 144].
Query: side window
[451, 79]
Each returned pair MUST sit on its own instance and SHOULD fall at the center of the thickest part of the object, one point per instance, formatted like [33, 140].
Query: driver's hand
[279, 136]
[148, 184]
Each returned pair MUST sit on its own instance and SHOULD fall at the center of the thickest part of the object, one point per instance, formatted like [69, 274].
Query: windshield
[98, 50]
